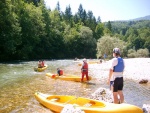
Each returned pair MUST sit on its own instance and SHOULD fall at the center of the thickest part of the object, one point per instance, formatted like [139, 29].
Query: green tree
[10, 36]
[106, 44]
[88, 43]
[31, 22]
[99, 30]
[58, 7]
[109, 26]
[98, 19]
[80, 11]
[137, 43]
[68, 14]
[71, 38]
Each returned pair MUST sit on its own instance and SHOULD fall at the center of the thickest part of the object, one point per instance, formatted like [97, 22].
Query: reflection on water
[19, 82]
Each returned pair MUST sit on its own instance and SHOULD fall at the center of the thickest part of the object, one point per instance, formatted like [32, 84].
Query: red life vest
[85, 67]
[42, 63]
[61, 72]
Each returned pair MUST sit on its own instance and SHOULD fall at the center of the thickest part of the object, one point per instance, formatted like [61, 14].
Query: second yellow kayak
[67, 77]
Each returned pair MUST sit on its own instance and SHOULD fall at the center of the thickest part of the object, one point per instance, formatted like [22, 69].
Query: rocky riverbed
[136, 69]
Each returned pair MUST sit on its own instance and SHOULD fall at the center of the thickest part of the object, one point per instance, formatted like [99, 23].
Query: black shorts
[118, 84]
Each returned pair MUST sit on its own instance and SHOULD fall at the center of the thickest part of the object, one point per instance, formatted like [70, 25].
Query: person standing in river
[116, 72]
[84, 70]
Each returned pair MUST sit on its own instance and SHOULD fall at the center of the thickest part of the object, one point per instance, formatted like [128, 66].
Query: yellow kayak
[67, 77]
[57, 102]
[93, 62]
[41, 69]
[89, 62]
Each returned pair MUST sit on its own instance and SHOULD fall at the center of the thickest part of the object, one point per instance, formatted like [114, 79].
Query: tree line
[29, 30]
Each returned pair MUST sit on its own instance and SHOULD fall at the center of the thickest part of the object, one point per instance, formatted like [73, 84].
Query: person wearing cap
[84, 70]
[116, 75]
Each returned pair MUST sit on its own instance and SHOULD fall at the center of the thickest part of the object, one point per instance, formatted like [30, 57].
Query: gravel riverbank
[136, 69]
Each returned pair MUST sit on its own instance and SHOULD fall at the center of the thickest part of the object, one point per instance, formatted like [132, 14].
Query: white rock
[70, 108]
[146, 108]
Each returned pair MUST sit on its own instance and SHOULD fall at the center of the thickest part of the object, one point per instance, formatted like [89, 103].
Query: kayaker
[40, 64]
[116, 73]
[84, 70]
[59, 72]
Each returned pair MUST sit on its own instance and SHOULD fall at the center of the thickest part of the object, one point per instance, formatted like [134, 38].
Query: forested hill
[141, 18]
[28, 31]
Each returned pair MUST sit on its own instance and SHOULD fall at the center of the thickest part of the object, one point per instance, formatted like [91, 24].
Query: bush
[139, 53]
[131, 53]
[106, 44]
[143, 53]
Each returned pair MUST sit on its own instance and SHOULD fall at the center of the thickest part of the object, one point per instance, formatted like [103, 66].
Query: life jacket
[42, 63]
[120, 66]
[85, 67]
[61, 72]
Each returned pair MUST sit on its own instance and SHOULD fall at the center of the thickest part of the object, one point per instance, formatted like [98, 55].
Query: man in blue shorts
[116, 73]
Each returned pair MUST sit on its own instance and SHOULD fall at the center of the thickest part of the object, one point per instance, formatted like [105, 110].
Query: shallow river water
[19, 82]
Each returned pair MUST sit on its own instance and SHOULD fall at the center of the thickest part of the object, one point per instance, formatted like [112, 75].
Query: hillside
[141, 18]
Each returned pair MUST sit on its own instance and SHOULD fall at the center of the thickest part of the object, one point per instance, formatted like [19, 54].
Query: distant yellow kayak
[41, 69]
[67, 77]
[89, 62]
[57, 102]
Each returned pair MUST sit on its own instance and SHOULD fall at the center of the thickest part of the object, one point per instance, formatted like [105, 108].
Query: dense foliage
[29, 30]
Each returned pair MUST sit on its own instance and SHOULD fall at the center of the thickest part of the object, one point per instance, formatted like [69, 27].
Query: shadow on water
[18, 83]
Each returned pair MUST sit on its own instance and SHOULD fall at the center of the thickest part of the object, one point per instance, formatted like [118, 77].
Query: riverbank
[136, 69]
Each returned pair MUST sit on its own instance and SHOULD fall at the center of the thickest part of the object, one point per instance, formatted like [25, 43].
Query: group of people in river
[115, 77]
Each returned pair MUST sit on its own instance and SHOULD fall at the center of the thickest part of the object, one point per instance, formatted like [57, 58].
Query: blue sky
[108, 10]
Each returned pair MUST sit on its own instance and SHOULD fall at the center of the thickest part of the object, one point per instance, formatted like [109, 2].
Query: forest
[31, 31]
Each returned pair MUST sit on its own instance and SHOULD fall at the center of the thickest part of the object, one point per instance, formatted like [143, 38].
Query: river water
[19, 82]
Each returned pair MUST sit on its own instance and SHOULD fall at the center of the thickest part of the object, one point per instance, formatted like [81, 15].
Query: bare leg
[121, 96]
[111, 88]
[116, 100]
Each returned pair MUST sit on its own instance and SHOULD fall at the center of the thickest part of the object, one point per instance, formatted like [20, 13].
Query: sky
[108, 10]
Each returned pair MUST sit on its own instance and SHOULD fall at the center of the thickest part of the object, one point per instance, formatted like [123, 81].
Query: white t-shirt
[114, 62]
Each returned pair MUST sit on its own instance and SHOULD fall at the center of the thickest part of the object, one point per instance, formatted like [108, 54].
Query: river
[19, 82]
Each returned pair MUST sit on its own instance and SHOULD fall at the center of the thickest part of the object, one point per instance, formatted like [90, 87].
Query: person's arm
[82, 67]
[110, 74]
